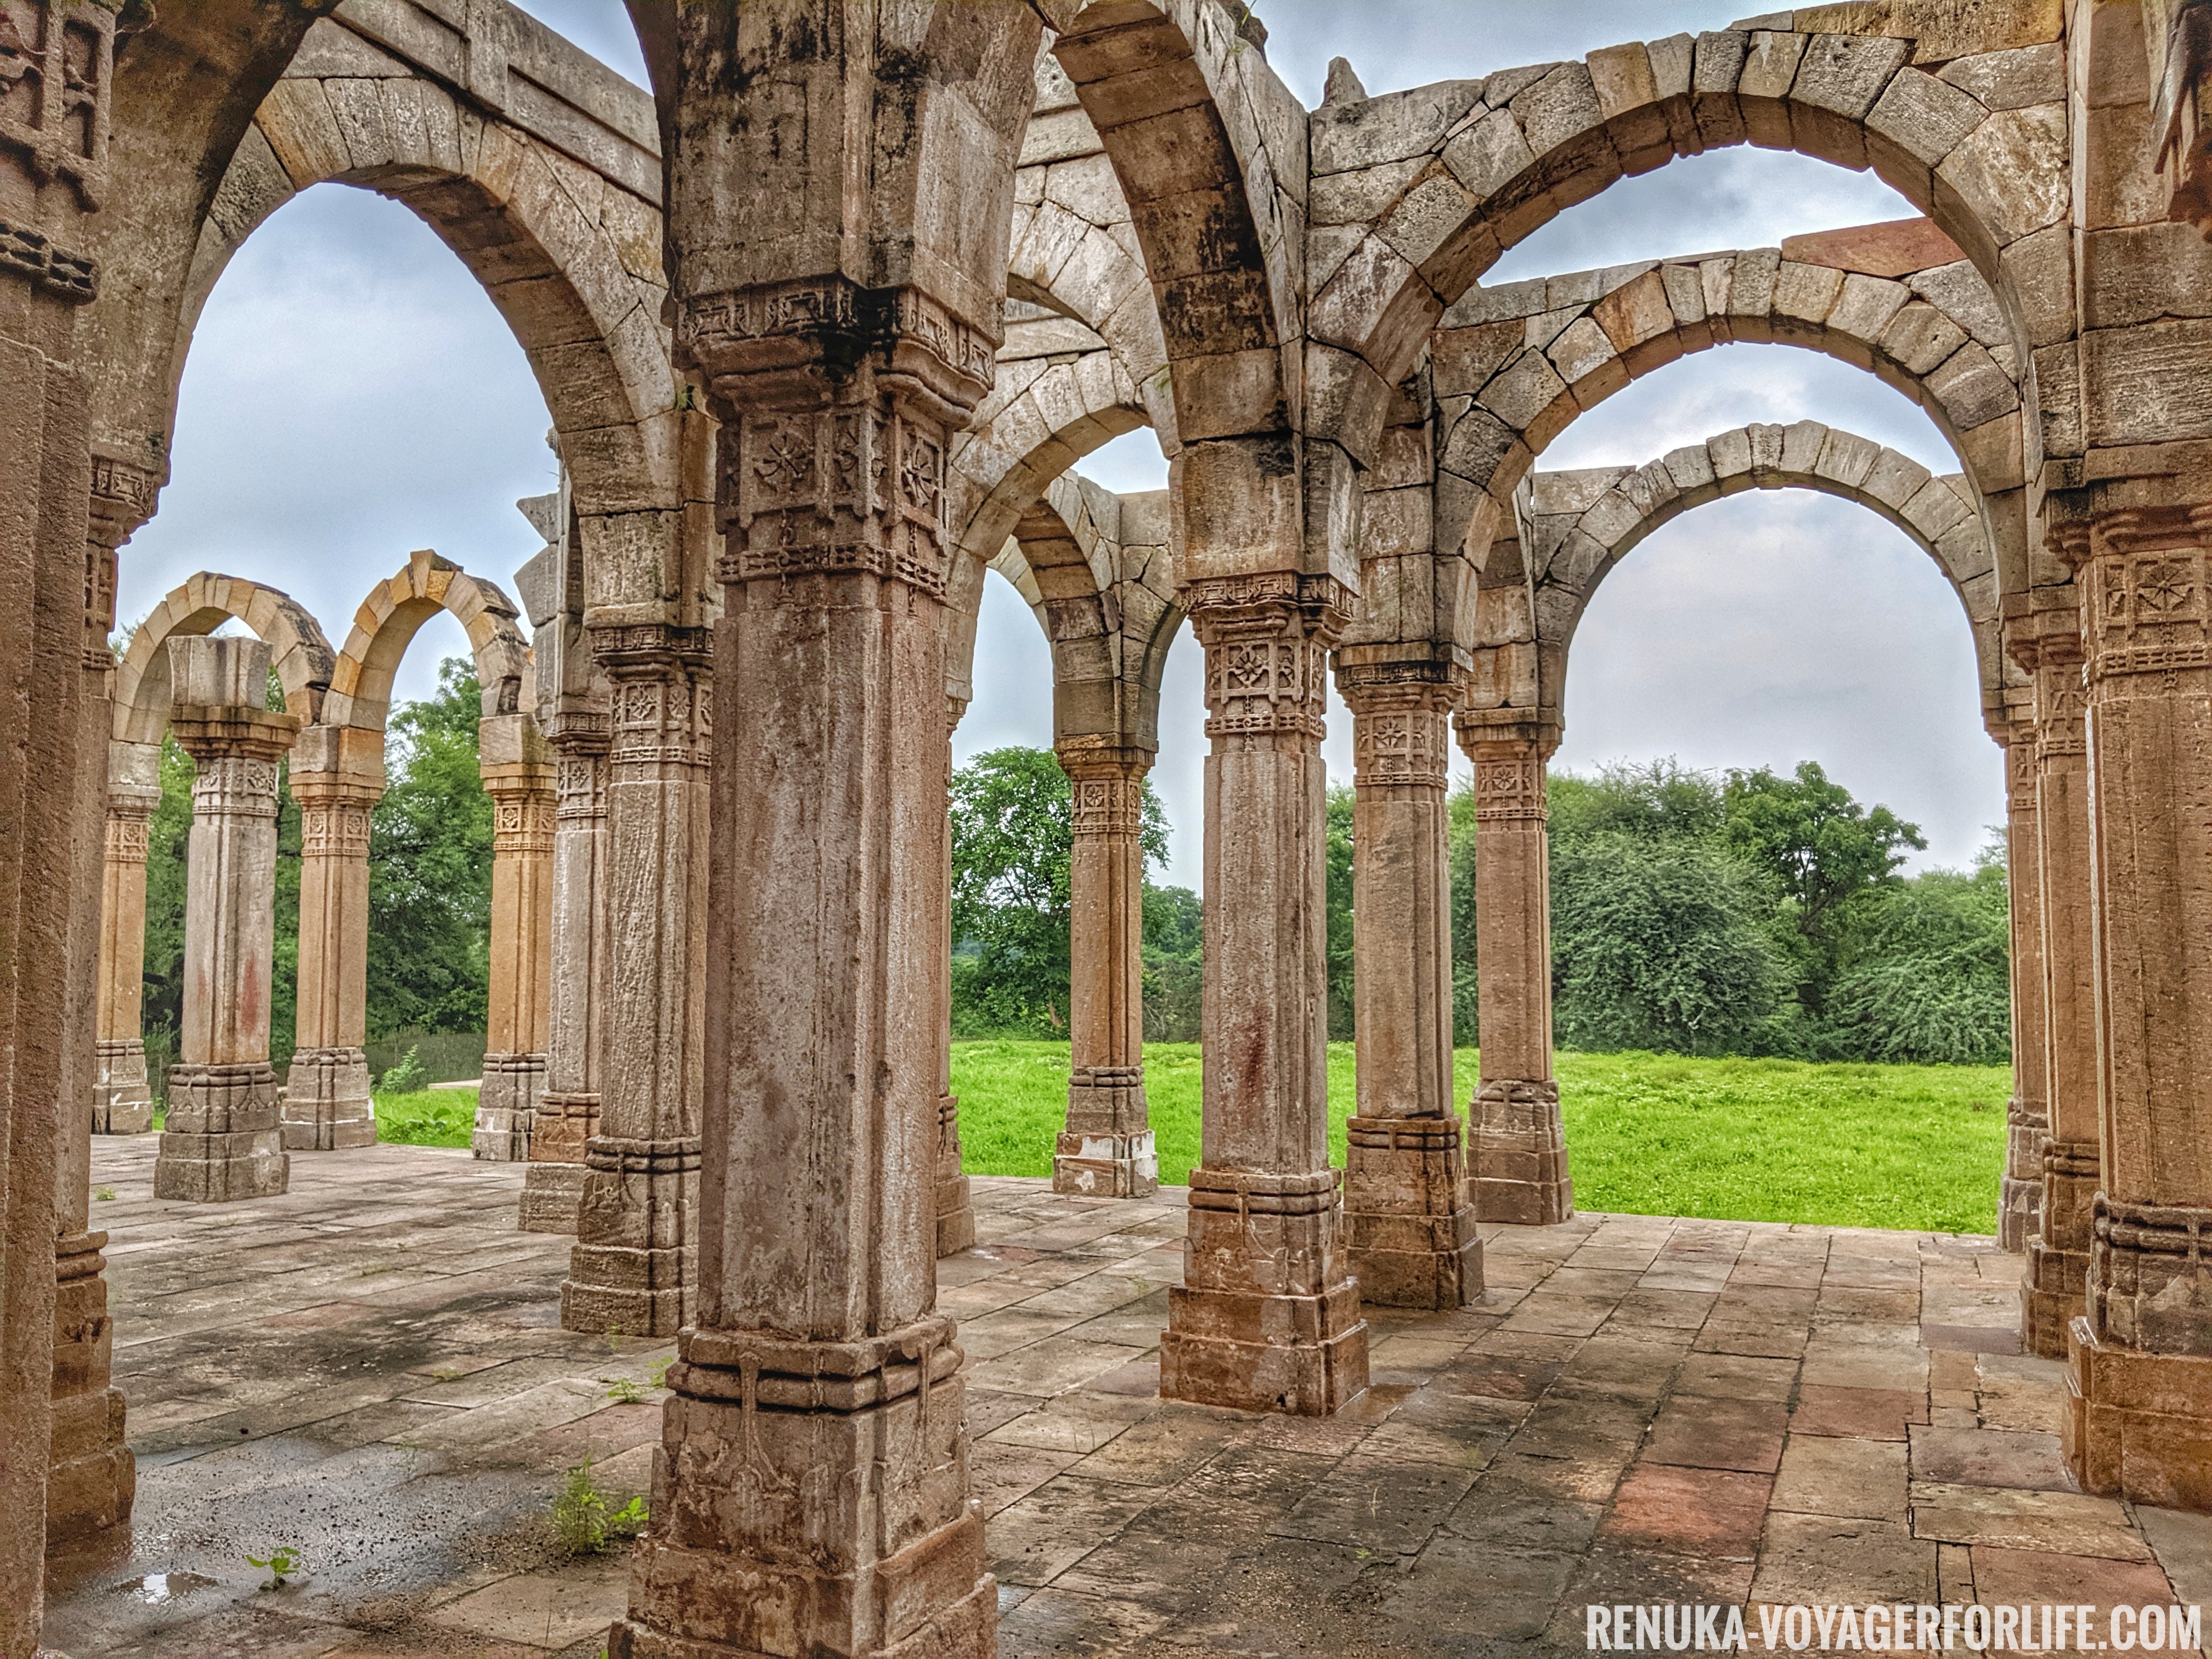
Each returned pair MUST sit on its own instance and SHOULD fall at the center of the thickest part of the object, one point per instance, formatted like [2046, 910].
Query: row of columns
[336, 778]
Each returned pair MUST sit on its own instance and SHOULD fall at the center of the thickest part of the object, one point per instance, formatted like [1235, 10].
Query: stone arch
[300, 657]
[568, 251]
[389, 617]
[1455, 173]
[1577, 527]
[1098, 572]
[1204, 141]
[1512, 367]
[1074, 253]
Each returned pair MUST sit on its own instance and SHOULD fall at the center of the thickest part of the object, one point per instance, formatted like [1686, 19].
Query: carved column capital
[1266, 639]
[1400, 723]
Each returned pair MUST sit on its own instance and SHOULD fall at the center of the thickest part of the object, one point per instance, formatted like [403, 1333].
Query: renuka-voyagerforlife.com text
[1892, 1628]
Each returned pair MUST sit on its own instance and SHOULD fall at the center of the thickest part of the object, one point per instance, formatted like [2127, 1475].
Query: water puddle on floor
[158, 1589]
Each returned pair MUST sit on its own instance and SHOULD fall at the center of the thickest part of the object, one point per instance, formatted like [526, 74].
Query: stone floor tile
[542, 1610]
[1989, 1458]
[1824, 1475]
[1700, 1512]
[1053, 1366]
[2061, 1523]
[1616, 1573]
[1505, 1508]
[1756, 1340]
[1065, 1622]
[1465, 1589]
[1161, 1450]
[1865, 1413]
[1077, 1423]
[1719, 1433]
[1037, 1537]
[1740, 1377]
[2183, 1543]
[1822, 1559]
[2040, 1578]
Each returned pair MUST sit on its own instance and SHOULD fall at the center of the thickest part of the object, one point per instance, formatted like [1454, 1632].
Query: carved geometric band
[2158, 1228]
[74, 278]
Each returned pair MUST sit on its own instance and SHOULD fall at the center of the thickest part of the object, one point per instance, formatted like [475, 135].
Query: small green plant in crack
[625, 1390]
[105, 1195]
[586, 1522]
[659, 1371]
[283, 1562]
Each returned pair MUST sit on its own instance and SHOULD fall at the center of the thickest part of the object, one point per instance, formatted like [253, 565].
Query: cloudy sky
[351, 395]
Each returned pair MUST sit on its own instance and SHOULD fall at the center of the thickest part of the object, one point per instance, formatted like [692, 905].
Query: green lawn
[427, 1117]
[1910, 1146]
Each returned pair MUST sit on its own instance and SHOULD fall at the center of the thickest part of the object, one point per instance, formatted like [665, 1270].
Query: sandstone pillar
[222, 1139]
[93, 1476]
[326, 1094]
[956, 1210]
[2139, 1356]
[568, 1111]
[2028, 1114]
[1517, 1152]
[2048, 642]
[634, 1267]
[124, 1105]
[52, 165]
[518, 778]
[1411, 1231]
[1106, 1151]
[1267, 1317]
[818, 1363]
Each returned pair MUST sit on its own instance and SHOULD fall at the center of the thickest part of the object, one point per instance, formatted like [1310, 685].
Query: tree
[1175, 964]
[1459, 842]
[1660, 801]
[429, 868]
[1659, 943]
[1924, 978]
[1337, 856]
[1013, 835]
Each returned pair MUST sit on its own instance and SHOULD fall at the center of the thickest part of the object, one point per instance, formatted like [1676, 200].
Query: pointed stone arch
[1512, 367]
[1456, 172]
[300, 657]
[562, 228]
[1577, 527]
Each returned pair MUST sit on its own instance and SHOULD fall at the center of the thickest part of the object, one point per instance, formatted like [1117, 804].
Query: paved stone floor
[370, 1371]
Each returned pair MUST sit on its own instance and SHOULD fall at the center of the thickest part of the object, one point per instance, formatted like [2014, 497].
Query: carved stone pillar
[818, 1364]
[1267, 1316]
[92, 1476]
[1106, 1151]
[54, 144]
[1411, 1233]
[517, 776]
[123, 1103]
[568, 1113]
[2139, 1357]
[2048, 643]
[1517, 1150]
[2028, 1114]
[956, 1210]
[634, 1267]
[327, 1102]
[221, 1139]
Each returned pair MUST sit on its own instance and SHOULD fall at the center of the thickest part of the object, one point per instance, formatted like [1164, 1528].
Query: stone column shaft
[92, 1476]
[568, 1111]
[221, 1139]
[521, 791]
[1106, 1151]
[327, 1103]
[2058, 1255]
[634, 1267]
[2139, 1357]
[1517, 1154]
[1267, 1317]
[818, 1364]
[2028, 1114]
[955, 1209]
[124, 1102]
[1413, 1237]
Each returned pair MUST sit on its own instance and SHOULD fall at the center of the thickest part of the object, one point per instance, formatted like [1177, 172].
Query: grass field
[428, 1117]
[1918, 1147]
